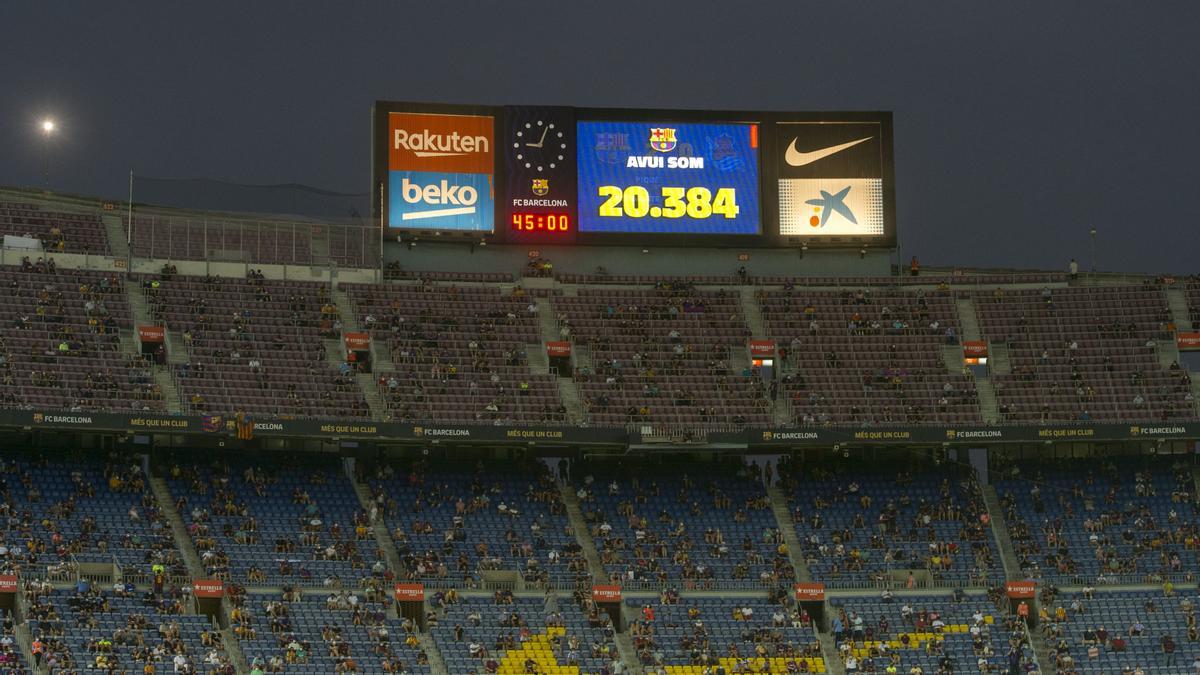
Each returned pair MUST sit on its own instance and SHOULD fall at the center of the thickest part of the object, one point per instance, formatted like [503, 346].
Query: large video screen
[668, 178]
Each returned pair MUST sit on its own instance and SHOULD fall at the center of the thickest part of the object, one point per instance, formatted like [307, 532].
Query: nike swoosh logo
[796, 158]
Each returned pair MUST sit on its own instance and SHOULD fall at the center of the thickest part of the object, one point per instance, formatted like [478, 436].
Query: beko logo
[796, 158]
[428, 144]
[460, 198]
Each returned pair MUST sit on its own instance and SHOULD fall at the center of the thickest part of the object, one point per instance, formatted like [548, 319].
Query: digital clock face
[540, 161]
[542, 222]
[662, 177]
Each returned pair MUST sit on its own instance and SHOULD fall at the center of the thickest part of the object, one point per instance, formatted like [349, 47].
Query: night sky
[1019, 125]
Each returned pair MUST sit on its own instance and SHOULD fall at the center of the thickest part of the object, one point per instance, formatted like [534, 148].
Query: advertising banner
[606, 593]
[410, 592]
[150, 333]
[809, 591]
[974, 349]
[558, 348]
[1187, 341]
[762, 348]
[208, 588]
[831, 178]
[1020, 590]
[440, 171]
[357, 341]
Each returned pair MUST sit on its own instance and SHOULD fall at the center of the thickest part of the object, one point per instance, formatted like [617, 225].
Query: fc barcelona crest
[541, 186]
[662, 139]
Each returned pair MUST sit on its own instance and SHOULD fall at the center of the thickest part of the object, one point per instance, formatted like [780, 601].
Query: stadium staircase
[21, 632]
[1178, 304]
[382, 537]
[968, 320]
[952, 356]
[998, 361]
[783, 516]
[164, 375]
[829, 652]
[114, 226]
[437, 665]
[752, 313]
[1008, 554]
[628, 653]
[582, 534]
[335, 355]
[539, 362]
[182, 540]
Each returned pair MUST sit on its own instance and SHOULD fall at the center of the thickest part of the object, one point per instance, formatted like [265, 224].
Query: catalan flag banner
[245, 427]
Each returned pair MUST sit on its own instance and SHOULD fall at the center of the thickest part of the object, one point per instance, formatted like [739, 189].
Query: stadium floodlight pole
[129, 225]
[1093, 233]
[48, 127]
[381, 265]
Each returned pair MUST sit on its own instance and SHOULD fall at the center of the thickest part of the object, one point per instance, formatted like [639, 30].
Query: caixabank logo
[440, 172]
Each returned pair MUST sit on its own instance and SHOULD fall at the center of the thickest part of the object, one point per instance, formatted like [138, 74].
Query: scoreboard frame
[773, 142]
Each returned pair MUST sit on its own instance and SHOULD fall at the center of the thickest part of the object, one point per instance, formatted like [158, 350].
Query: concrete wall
[428, 256]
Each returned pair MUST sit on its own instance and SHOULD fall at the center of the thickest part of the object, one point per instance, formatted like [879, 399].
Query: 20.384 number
[697, 203]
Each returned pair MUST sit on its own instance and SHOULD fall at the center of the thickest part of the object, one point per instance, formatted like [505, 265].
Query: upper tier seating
[77, 509]
[686, 635]
[60, 345]
[1100, 633]
[1086, 353]
[662, 356]
[1129, 520]
[450, 524]
[344, 631]
[255, 346]
[859, 527]
[459, 353]
[57, 230]
[869, 356]
[936, 633]
[293, 523]
[502, 635]
[705, 528]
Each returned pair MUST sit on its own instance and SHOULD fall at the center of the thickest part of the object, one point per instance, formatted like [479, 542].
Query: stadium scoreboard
[545, 175]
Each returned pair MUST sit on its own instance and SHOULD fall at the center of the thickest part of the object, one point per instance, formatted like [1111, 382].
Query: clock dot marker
[560, 134]
[516, 145]
[539, 168]
[539, 123]
[655, 212]
[551, 165]
[526, 165]
[528, 125]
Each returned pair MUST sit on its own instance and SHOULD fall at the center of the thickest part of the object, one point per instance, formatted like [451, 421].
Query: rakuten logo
[425, 143]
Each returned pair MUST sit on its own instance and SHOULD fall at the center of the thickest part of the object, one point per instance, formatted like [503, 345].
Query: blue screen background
[729, 162]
